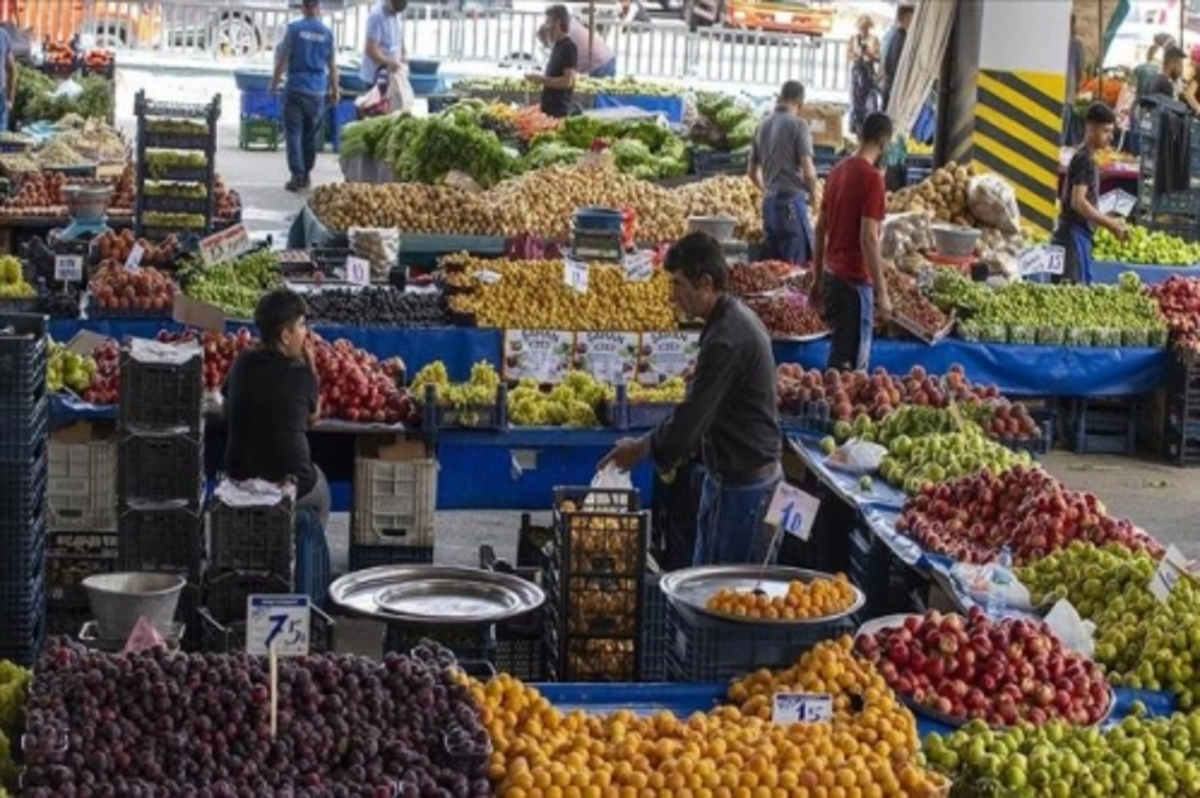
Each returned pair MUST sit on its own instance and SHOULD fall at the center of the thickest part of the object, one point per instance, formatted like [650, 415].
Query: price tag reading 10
[281, 621]
[792, 510]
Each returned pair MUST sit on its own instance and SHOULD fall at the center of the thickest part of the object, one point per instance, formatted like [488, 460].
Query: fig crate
[394, 502]
[82, 489]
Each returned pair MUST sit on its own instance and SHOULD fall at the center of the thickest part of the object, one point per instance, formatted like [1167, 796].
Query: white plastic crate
[82, 489]
[394, 502]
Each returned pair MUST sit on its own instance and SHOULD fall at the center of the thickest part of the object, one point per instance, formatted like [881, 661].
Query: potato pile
[532, 295]
[726, 195]
[411, 207]
[943, 193]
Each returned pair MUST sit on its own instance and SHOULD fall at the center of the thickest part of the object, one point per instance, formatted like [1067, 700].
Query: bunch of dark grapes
[161, 723]
[62, 304]
[377, 305]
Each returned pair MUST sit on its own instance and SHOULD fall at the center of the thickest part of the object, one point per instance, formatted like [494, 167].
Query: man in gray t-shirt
[781, 165]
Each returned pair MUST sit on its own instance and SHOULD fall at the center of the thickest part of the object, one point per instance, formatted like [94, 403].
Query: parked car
[104, 23]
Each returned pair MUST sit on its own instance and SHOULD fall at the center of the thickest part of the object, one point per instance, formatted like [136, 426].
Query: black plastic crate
[24, 354]
[654, 631]
[67, 619]
[468, 643]
[23, 551]
[525, 626]
[159, 140]
[158, 537]
[520, 657]
[708, 163]
[724, 651]
[532, 541]
[24, 603]
[226, 594]
[23, 435]
[599, 532]
[25, 647]
[1182, 442]
[585, 606]
[154, 467]
[22, 493]
[255, 538]
[1104, 426]
[218, 638]
[68, 563]
[372, 556]
[161, 395]
[593, 659]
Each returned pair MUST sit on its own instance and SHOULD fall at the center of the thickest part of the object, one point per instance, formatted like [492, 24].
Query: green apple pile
[574, 402]
[66, 369]
[909, 421]
[912, 462]
[12, 282]
[1137, 757]
[1145, 247]
[233, 286]
[950, 290]
[584, 85]
[479, 390]
[1142, 642]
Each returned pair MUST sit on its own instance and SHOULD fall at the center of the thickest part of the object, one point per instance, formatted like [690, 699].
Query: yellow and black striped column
[1018, 124]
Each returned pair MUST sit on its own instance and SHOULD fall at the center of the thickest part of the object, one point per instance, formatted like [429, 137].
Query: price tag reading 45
[793, 510]
[802, 708]
[280, 621]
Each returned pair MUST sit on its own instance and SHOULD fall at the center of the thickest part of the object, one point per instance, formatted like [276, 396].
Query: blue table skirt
[1017, 370]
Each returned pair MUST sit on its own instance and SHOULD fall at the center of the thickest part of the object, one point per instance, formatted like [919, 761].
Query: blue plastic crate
[425, 85]
[1101, 426]
[252, 79]
[262, 104]
[23, 359]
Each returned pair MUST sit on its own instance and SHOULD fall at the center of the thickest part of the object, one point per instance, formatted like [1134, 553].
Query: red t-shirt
[854, 191]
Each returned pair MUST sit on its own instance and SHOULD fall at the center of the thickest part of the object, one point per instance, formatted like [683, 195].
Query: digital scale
[596, 245]
[87, 206]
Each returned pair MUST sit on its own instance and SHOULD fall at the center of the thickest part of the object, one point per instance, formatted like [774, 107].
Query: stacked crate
[176, 167]
[24, 425]
[595, 586]
[1181, 416]
[395, 499]
[1176, 213]
[160, 464]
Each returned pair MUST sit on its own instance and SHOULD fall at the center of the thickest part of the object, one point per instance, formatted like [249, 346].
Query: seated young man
[271, 399]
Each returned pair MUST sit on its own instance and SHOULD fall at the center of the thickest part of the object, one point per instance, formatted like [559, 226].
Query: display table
[1016, 370]
[1107, 273]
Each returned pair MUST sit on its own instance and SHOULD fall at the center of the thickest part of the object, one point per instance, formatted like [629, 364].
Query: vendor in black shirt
[558, 84]
[272, 399]
[729, 413]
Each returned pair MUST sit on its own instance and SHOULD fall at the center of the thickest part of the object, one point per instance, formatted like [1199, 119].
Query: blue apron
[1076, 241]
[787, 230]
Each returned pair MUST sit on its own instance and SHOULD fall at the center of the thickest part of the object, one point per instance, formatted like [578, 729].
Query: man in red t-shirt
[849, 270]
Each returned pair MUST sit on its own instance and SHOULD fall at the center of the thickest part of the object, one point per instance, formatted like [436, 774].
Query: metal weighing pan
[434, 595]
[690, 589]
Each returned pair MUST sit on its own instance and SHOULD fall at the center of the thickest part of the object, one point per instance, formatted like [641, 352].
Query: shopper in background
[1164, 83]
[781, 166]
[1154, 63]
[596, 58]
[1079, 216]
[271, 400]
[8, 77]
[1075, 70]
[1191, 94]
[558, 83]
[848, 267]
[634, 11]
[729, 413]
[864, 68]
[306, 58]
[384, 51]
[894, 49]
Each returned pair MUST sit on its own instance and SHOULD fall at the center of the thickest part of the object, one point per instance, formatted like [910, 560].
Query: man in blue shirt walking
[306, 57]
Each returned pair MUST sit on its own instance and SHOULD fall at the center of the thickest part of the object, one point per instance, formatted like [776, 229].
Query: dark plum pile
[158, 723]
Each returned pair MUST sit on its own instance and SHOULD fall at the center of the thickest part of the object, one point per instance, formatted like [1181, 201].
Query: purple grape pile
[160, 723]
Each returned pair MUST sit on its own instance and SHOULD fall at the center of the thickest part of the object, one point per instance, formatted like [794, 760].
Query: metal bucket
[87, 202]
[118, 600]
[719, 227]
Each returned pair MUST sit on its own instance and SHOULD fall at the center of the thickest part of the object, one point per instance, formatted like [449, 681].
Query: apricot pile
[819, 598]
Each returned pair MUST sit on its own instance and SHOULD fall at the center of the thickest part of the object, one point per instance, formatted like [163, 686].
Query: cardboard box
[827, 122]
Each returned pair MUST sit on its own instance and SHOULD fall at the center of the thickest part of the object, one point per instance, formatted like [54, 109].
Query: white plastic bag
[977, 581]
[68, 89]
[400, 95]
[857, 457]
[608, 479]
[1074, 632]
[371, 99]
[379, 246]
[993, 202]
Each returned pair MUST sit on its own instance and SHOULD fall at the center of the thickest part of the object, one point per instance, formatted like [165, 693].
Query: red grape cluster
[160, 723]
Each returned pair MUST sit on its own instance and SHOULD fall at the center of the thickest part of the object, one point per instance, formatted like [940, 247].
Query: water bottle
[997, 601]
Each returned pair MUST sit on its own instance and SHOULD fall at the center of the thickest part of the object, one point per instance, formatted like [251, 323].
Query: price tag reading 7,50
[277, 620]
[792, 510]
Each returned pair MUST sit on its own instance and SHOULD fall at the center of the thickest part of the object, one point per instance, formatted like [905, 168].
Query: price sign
[281, 621]
[793, 510]
[358, 270]
[575, 275]
[1046, 259]
[68, 268]
[639, 267]
[1173, 567]
[135, 258]
[1117, 202]
[225, 245]
[802, 708]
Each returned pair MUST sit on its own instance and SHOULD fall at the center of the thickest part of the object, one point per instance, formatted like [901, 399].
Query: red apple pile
[146, 290]
[357, 387]
[1179, 300]
[759, 277]
[970, 519]
[1001, 672]
[105, 385]
[787, 315]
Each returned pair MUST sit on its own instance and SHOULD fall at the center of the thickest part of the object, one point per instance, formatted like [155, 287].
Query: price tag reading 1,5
[802, 708]
[68, 268]
[793, 510]
[135, 258]
[281, 621]
[358, 270]
[575, 275]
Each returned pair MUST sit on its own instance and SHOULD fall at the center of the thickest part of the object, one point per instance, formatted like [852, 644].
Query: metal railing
[662, 49]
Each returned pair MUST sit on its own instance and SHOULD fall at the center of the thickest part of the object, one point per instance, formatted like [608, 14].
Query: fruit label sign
[792, 510]
[135, 258]
[1117, 203]
[68, 268]
[1173, 567]
[1045, 259]
[639, 267]
[609, 357]
[358, 270]
[280, 621]
[792, 708]
[666, 355]
[575, 275]
[544, 355]
[225, 245]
